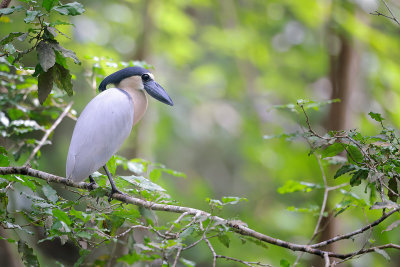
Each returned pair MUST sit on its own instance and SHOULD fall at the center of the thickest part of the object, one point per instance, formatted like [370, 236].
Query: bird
[107, 120]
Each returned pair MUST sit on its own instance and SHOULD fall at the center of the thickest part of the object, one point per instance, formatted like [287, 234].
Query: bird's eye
[145, 77]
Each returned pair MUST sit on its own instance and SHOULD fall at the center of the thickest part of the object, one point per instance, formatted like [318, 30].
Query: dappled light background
[226, 64]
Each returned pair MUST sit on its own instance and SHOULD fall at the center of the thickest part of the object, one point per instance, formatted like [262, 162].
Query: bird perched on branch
[107, 121]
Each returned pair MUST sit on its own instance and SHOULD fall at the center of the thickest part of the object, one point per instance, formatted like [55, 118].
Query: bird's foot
[92, 183]
[113, 191]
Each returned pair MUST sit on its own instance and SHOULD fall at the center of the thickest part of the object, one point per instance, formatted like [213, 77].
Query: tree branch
[238, 228]
[49, 131]
[393, 17]
[359, 231]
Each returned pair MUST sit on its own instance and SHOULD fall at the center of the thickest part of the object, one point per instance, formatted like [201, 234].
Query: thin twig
[48, 132]
[178, 253]
[323, 206]
[359, 231]
[326, 259]
[393, 17]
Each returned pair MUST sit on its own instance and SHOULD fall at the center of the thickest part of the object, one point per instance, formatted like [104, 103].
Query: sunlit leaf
[376, 116]
[71, 9]
[291, 186]
[48, 4]
[233, 200]
[62, 216]
[187, 263]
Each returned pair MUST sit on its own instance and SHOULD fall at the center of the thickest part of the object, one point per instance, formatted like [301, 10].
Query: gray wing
[99, 132]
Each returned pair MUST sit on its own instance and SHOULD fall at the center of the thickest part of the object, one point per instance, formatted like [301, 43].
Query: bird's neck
[139, 99]
[138, 96]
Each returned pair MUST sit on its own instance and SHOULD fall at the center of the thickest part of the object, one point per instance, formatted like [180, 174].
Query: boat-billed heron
[108, 119]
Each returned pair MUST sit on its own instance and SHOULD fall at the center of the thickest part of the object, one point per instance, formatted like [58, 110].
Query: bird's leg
[113, 187]
[92, 182]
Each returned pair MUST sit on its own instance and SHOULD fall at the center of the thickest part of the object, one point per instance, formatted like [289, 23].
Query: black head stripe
[118, 76]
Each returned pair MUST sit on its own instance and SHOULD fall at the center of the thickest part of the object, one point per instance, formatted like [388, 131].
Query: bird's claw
[92, 183]
[113, 191]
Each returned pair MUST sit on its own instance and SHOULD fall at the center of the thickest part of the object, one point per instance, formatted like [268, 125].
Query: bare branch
[48, 132]
[178, 253]
[359, 231]
[326, 258]
[392, 17]
[238, 228]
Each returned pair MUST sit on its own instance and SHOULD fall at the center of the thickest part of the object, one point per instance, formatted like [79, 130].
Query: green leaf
[291, 186]
[332, 150]
[233, 200]
[31, 15]
[354, 155]
[112, 165]
[9, 48]
[84, 234]
[62, 216]
[60, 59]
[187, 232]
[136, 167]
[98, 192]
[83, 253]
[130, 258]
[50, 193]
[155, 174]
[10, 37]
[358, 176]
[46, 55]
[65, 52]
[224, 239]
[45, 84]
[80, 215]
[4, 162]
[63, 79]
[143, 183]
[187, 263]
[26, 181]
[393, 193]
[71, 9]
[48, 4]
[8, 11]
[59, 22]
[376, 116]
[28, 257]
[284, 263]
[343, 170]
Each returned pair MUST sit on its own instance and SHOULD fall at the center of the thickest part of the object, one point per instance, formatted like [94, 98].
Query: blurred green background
[226, 64]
